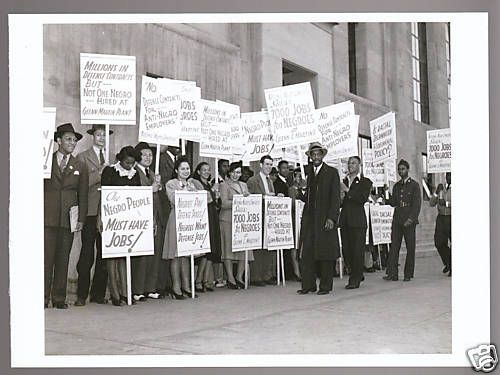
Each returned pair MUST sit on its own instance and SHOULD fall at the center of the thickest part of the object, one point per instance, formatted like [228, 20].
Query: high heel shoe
[125, 300]
[208, 287]
[116, 302]
[199, 288]
[188, 293]
[230, 285]
[174, 295]
[240, 284]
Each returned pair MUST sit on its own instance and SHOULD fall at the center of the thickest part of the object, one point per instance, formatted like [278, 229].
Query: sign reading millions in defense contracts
[107, 89]
[383, 133]
[439, 151]
[247, 222]
[278, 230]
[215, 130]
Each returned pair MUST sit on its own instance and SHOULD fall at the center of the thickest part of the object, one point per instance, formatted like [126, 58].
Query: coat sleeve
[392, 201]
[416, 203]
[199, 186]
[225, 196]
[361, 195]
[95, 176]
[253, 186]
[83, 193]
[334, 191]
[433, 200]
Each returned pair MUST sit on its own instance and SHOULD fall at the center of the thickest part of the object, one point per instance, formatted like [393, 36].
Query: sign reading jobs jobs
[107, 89]
[127, 219]
[383, 133]
[191, 222]
[439, 151]
[278, 229]
[246, 222]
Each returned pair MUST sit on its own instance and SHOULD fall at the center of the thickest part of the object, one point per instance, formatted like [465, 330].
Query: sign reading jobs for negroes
[159, 121]
[383, 133]
[381, 219]
[247, 222]
[127, 220]
[107, 89]
[292, 115]
[191, 217]
[215, 130]
[278, 230]
[48, 128]
[439, 151]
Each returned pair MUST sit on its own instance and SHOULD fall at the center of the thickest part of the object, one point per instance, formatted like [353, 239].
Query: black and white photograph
[249, 186]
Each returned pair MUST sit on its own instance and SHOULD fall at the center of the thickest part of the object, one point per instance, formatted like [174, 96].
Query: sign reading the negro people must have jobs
[439, 151]
[191, 218]
[278, 230]
[247, 222]
[383, 133]
[291, 112]
[107, 89]
[127, 221]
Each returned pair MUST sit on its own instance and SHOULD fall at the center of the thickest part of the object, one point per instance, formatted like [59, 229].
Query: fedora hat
[66, 128]
[98, 127]
[316, 146]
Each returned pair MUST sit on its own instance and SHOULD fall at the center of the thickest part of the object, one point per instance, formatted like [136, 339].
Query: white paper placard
[48, 129]
[247, 222]
[383, 133]
[215, 130]
[278, 230]
[439, 151]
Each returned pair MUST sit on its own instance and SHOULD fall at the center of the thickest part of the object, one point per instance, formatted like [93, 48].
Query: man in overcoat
[320, 247]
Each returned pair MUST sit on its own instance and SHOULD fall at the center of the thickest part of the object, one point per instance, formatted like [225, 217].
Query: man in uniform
[407, 201]
[442, 233]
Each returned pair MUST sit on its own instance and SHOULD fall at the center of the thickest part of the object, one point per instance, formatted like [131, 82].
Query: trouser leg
[326, 274]
[153, 265]
[256, 267]
[308, 269]
[50, 243]
[86, 258]
[409, 235]
[393, 259]
[61, 261]
[442, 234]
[112, 266]
[139, 274]
[100, 279]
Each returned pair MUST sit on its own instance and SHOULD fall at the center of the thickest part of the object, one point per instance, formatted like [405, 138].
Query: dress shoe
[100, 301]
[199, 288]
[258, 283]
[46, 306]
[188, 293]
[174, 295]
[352, 286]
[230, 285]
[446, 269]
[240, 284]
[208, 287]
[125, 300]
[370, 270]
[449, 273]
[305, 291]
[407, 278]
[116, 302]
[323, 292]
[362, 278]
[61, 305]
[80, 302]
[139, 297]
[153, 295]
[390, 278]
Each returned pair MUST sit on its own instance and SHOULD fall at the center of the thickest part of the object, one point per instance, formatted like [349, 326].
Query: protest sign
[159, 121]
[390, 170]
[341, 166]
[278, 230]
[107, 89]
[383, 133]
[381, 219]
[127, 219]
[48, 128]
[237, 136]
[291, 112]
[375, 172]
[299, 210]
[215, 130]
[191, 114]
[439, 151]
[247, 222]
[258, 138]
[191, 223]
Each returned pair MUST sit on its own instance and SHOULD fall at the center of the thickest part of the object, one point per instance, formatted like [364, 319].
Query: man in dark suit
[320, 247]
[67, 187]
[442, 233]
[261, 269]
[281, 185]
[95, 161]
[355, 190]
[407, 201]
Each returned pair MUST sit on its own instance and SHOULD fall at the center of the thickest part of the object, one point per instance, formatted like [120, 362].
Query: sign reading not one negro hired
[127, 221]
[107, 89]
[215, 130]
[237, 136]
[159, 121]
[247, 222]
[48, 128]
[381, 219]
[278, 230]
[383, 133]
[292, 114]
[439, 151]
[191, 217]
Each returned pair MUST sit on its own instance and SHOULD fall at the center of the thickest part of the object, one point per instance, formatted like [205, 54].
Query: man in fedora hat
[95, 160]
[67, 187]
[320, 246]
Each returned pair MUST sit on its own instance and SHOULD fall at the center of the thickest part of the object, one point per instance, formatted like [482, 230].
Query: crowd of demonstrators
[330, 202]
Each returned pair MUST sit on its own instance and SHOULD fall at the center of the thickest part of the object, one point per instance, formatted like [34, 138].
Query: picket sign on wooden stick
[183, 147]
[387, 183]
[301, 163]
[426, 188]
[129, 281]
[282, 266]
[107, 143]
[192, 276]
[341, 259]
[379, 257]
[157, 159]
[277, 267]
[216, 181]
[246, 269]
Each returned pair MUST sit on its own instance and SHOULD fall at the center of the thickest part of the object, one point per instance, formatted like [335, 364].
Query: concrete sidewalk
[379, 317]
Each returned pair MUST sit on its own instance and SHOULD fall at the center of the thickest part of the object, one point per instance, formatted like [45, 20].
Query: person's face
[224, 168]
[67, 143]
[273, 176]
[353, 166]
[205, 171]
[235, 174]
[316, 157]
[176, 151]
[128, 162]
[448, 178]
[284, 171]
[100, 138]
[402, 171]
[146, 157]
[184, 170]
[297, 177]
[266, 167]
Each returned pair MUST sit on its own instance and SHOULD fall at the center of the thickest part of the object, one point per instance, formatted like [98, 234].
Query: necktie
[269, 184]
[101, 157]
[64, 160]
[147, 173]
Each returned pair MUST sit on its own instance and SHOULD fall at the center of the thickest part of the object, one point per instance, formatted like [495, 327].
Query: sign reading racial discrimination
[292, 115]
[107, 89]
[247, 222]
[258, 137]
[299, 210]
[383, 133]
[159, 121]
[48, 128]
[127, 221]
[439, 151]
[278, 229]
[191, 218]
[338, 126]
[381, 219]
[375, 172]
[215, 130]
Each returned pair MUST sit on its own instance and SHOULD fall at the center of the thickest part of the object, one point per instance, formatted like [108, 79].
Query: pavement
[380, 317]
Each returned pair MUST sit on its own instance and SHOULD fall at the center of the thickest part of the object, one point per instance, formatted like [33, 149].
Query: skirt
[226, 242]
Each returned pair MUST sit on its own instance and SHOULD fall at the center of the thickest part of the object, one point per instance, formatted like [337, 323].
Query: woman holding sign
[179, 266]
[120, 174]
[231, 187]
[201, 180]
